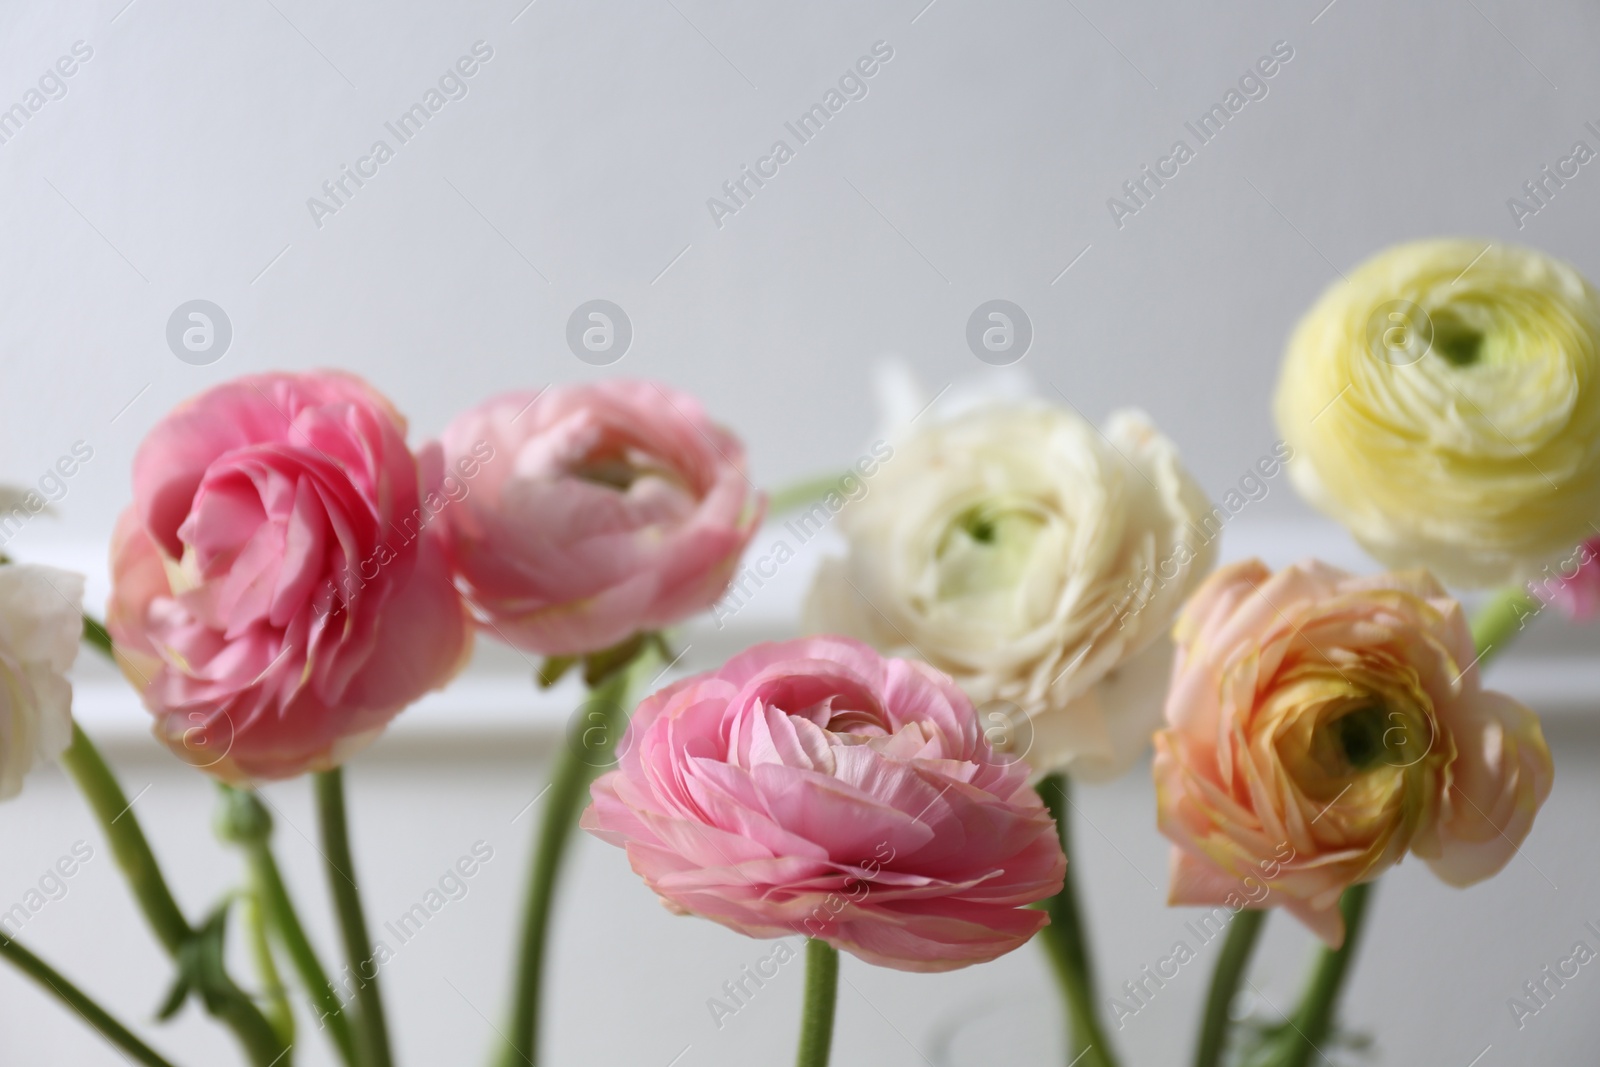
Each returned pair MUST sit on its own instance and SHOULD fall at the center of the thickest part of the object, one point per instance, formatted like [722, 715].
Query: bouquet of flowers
[1026, 600]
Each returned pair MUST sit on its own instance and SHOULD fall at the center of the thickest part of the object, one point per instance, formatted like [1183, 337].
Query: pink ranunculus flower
[594, 512]
[278, 593]
[1320, 726]
[1573, 585]
[814, 787]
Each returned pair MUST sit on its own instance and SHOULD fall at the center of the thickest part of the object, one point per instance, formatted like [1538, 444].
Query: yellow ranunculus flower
[1444, 404]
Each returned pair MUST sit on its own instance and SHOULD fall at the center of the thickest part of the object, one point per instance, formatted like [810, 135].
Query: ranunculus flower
[812, 787]
[277, 594]
[1321, 725]
[1444, 404]
[589, 513]
[1573, 583]
[41, 621]
[1036, 560]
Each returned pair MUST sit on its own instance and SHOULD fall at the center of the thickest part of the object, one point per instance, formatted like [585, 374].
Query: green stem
[799, 494]
[1066, 942]
[576, 765]
[372, 1031]
[54, 982]
[817, 1010]
[96, 635]
[278, 1012]
[121, 826]
[131, 850]
[251, 1028]
[244, 821]
[128, 845]
[1243, 932]
[1313, 1020]
[285, 925]
[1501, 620]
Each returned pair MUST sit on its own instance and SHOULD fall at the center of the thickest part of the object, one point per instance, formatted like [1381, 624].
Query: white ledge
[495, 703]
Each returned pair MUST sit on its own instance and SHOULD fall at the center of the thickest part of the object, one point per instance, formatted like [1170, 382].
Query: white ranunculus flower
[1037, 560]
[41, 623]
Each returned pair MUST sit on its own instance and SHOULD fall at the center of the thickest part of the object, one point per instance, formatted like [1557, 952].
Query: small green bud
[241, 818]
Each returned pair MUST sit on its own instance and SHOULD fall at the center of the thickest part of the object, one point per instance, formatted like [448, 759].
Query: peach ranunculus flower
[598, 511]
[814, 787]
[277, 595]
[1322, 725]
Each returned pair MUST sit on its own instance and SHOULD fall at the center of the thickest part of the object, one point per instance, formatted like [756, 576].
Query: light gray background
[178, 166]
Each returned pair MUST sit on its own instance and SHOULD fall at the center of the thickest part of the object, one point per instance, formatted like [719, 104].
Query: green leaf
[211, 973]
[1262, 1042]
[175, 997]
[664, 650]
[598, 666]
[202, 968]
[553, 669]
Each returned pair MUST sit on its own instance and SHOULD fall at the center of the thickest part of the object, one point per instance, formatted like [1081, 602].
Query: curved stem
[821, 997]
[576, 765]
[278, 1011]
[284, 923]
[1313, 1020]
[244, 821]
[1243, 932]
[372, 1030]
[63, 990]
[1067, 943]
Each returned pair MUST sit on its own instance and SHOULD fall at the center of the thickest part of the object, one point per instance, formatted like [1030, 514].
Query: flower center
[612, 471]
[1359, 735]
[1458, 343]
[622, 468]
[986, 549]
[836, 704]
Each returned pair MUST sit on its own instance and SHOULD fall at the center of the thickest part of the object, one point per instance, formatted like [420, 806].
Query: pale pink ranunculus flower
[1320, 726]
[278, 593]
[814, 787]
[1573, 585]
[593, 512]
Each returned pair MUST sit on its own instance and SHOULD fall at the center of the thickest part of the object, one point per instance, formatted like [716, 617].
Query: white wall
[178, 165]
